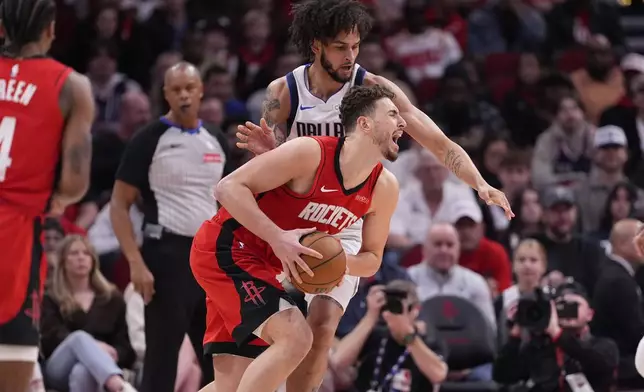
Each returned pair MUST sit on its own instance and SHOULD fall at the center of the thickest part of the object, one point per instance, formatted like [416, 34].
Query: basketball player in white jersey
[305, 103]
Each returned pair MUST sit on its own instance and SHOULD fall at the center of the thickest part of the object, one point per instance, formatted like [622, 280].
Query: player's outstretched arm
[375, 228]
[430, 136]
[271, 132]
[77, 105]
[296, 159]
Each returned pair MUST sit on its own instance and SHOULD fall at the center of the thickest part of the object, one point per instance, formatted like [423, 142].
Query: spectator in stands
[217, 49]
[618, 300]
[108, 147]
[373, 58]
[188, 370]
[402, 356]
[505, 26]
[569, 254]
[238, 156]
[527, 221]
[632, 65]
[108, 85]
[481, 255]
[83, 327]
[514, 176]
[212, 111]
[564, 151]
[492, 151]
[565, 353]
[218, 83]
[574, 22]
[520, 105]
[606, 172]
[423, 202]
[425, 51]
[631, 120]
[459, 113]
[444, 14]
[440, 274]
[258, 47]
[166, 28]
[620, 204]
[600, 84]
[529, 265]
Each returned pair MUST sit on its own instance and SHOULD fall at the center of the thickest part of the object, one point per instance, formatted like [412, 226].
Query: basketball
[327, 271]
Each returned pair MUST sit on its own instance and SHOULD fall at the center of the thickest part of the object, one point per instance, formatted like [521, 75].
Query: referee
[172, 164]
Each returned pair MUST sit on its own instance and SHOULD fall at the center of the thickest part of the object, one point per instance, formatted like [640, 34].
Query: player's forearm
[75, 172]
[120, 218]
[364, 264]
[430, 364]
[453, 156]
[241, 204]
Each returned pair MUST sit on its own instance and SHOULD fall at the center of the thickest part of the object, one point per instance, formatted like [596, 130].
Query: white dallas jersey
[312, 116]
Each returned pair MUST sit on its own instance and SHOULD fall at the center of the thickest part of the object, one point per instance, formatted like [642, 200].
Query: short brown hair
[406, 286]
[361, 101]
[515, 159]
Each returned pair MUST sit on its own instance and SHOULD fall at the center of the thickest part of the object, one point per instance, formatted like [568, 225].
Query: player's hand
[257, 139]
[287, 248]
[56, 207]
[493, 196]
[143, 280]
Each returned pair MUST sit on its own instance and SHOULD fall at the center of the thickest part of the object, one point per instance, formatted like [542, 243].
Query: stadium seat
[571, 60]
[501, 64]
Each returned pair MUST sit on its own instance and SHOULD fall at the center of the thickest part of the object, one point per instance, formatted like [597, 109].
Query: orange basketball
[327, 271]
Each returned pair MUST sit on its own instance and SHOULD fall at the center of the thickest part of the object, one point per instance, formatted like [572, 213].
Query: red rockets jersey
[328, 206]
[31, 129]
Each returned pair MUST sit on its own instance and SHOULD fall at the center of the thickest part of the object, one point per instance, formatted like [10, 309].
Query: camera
[533, 310]
[394, 298]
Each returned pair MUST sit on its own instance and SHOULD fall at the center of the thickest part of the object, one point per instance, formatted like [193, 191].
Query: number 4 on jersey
[7, 129]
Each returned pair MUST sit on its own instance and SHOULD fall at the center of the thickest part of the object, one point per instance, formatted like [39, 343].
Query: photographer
[550, 346]
[395, 356]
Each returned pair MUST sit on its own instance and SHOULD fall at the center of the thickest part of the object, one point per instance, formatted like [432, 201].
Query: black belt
[156, 232]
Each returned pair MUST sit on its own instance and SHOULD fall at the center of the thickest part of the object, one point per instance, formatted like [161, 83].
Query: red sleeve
[500, 264]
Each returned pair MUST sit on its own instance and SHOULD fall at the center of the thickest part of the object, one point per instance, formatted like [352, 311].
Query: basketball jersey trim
[338, 172]
[295, 101]
[360, 74]
[318, 173]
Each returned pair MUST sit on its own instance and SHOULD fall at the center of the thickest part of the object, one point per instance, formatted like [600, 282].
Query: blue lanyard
[377, 367]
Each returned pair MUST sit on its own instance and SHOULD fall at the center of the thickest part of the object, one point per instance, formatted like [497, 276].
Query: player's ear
[316, 46]
[51, 30]
[364, 123]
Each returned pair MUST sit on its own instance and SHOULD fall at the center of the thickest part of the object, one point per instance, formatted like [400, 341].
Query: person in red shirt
[46, 111]
[483, 256]
[307, 184]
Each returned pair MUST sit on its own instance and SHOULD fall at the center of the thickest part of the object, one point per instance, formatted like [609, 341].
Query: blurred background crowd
[546, 95]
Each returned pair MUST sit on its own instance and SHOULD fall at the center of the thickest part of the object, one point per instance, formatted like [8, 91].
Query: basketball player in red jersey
[237, 256]
[328, 33]
[46, 111]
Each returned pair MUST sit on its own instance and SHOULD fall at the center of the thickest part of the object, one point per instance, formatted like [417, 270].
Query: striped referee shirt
[175, 171]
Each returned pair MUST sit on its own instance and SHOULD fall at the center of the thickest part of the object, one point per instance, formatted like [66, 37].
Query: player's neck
[34, 49]
[357, 160]
[321, 84]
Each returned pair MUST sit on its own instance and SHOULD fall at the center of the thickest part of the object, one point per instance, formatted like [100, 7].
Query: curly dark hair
[24, 21]
[324, 19]
[361, 101]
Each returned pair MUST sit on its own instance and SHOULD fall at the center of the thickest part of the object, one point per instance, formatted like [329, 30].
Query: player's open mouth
[396, 136]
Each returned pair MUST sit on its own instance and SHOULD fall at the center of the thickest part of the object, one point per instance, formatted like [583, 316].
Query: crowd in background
[544, 94]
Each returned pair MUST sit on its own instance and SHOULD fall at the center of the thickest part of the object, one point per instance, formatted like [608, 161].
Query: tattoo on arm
[80, 155]
[454, 161]
[270, 107]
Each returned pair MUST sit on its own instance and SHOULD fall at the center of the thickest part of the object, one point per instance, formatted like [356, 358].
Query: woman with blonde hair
[83, 328]
[529, 265]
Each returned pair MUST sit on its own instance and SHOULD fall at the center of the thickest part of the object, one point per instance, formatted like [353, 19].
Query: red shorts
[241, 289]
[22, 275]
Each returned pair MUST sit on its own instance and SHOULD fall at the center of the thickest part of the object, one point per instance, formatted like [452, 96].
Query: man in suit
[618, 302]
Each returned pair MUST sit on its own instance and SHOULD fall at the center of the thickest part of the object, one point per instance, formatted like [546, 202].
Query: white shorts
[351, 242]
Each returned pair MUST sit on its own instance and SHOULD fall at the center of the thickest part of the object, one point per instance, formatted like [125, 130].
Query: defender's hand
[493, 196]
[254, 138]
[287, 248]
